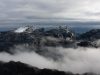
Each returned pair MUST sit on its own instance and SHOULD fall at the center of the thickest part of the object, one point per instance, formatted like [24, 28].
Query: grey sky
[49, 10]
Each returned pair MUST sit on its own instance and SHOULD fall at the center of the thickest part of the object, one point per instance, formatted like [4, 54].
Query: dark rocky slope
[40, 38]
[90, 38]
[91, 35]
[36, 38]
[18, 68]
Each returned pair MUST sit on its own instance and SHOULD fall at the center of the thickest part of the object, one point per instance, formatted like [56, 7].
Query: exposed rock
[91, 35]
[18, 68]
[42, 37]
[37, 38]
[90, 38]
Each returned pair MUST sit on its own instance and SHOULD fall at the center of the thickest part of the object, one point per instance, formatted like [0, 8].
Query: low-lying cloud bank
[78, 60]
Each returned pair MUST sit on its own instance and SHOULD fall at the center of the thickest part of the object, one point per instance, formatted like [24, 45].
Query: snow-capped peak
[21, 29]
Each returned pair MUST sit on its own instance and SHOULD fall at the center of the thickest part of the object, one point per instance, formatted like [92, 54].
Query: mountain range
[39, 40]
[42, 37]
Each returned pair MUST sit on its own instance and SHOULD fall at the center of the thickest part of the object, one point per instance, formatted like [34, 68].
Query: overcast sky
[49, 10]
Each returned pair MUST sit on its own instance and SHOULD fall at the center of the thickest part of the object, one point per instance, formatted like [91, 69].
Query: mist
[79, 60]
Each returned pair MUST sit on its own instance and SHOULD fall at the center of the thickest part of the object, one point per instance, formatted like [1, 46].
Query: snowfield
[21, 29]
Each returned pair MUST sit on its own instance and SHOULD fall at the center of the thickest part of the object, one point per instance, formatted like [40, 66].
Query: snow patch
[21, 29]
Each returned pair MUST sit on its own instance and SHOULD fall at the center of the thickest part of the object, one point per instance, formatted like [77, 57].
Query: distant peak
[24, 29]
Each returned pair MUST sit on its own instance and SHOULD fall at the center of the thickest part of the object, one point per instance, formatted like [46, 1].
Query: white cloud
[80, 60]
[47, 10]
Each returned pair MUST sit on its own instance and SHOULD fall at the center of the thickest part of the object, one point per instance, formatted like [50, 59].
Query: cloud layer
[49, 10]
[78, 60]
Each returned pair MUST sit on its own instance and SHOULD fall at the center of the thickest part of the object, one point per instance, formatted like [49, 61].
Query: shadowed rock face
[90, 38]
[18, 68]
[91, 35]
[42, 37]
[85, 43]
[36, 38]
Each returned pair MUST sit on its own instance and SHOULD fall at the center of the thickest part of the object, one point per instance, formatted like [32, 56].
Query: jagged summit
[37, 38]
[27, 29]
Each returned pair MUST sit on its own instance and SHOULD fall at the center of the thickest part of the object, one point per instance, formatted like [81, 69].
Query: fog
[79, 60]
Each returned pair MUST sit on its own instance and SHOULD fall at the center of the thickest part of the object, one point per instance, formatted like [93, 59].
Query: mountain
[91, 35]
[18, 68]
[27, 29]
[36, 38]
[10, 38]
[90, 38]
